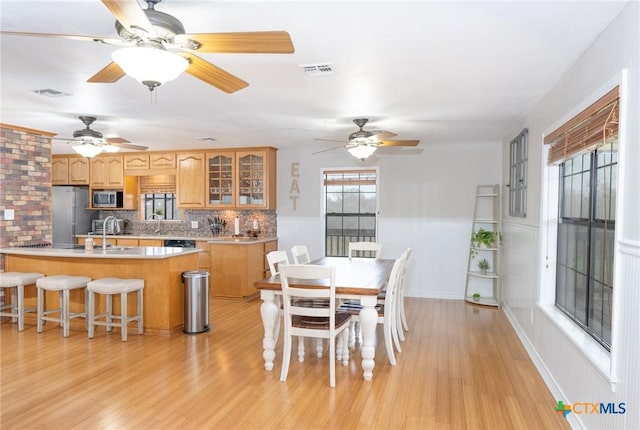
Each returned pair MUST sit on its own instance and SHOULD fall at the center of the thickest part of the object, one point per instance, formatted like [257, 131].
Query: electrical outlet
[194, 224]
[9, 214]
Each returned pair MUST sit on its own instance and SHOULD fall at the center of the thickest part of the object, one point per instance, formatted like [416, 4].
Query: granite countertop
[117, 252]
[210, 239]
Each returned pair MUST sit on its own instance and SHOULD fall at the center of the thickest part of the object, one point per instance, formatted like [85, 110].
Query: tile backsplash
[266, 221]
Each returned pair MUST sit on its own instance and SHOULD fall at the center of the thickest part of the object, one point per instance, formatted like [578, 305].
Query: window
[158, 194]
[350, 209]
[160, 204]
[518, 175]
[586, 149]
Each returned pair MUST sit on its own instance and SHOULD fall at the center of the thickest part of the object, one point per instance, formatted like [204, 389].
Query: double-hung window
[518, 175]
[350, 209]
[586, 150]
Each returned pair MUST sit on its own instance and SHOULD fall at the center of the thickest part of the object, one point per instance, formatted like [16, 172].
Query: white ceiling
[446, 71]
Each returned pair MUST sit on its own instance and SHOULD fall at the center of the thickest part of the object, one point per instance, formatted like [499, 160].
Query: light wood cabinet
[107, 172]
[236, 267]
[256, 179]
[150, 242]
[136, 161]
[204, 257]
[221, 173]
[190, 183]
[162, 160]
[69, 170]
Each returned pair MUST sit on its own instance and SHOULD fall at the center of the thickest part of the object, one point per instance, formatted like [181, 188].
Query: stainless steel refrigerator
[70, 214]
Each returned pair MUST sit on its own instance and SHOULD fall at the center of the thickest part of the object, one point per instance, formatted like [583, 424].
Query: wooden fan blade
[213, 75]
[130, 15]
[107, 40]
[108, 75]
[127, 145]
[257, 42]
[327, 150]
[399, 142]
[115, 140]
[382, 134]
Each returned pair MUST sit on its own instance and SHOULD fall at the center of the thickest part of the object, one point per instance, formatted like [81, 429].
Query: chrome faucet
[158, 217]
[105, 223]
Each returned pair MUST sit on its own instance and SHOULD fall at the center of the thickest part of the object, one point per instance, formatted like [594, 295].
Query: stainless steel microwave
[107, 199]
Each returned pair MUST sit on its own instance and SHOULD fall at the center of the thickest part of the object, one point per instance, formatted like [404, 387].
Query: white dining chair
[364, 247]
[275, 259]
[320, 322]
[386, 311]
[300, 254]
[401, 316]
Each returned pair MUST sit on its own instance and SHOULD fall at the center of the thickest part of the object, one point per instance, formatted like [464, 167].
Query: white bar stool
[108, 287]
[63, 284]
[17, 281]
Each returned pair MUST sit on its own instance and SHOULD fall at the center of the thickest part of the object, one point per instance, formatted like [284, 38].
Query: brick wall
[25, 186]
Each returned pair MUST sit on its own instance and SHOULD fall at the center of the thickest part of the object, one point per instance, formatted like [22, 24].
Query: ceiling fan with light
[363, 143]
[155, 48]
[89, 143]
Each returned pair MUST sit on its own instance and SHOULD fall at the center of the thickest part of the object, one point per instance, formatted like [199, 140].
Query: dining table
[356, 278]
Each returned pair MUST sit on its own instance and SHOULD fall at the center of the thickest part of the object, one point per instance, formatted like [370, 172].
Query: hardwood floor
[461, 367]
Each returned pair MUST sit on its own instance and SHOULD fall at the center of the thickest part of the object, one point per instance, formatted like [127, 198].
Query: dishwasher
[196, 293]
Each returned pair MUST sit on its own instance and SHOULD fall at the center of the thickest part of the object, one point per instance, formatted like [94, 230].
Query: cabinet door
[190, 182]
[136, 161]
[78, 171]
[220, 177]
[107, 172]
[60, 171]
[162, 161]
[251, 175]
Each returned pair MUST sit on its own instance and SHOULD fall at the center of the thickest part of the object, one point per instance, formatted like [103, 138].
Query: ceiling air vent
[315, 70]
[48, 92]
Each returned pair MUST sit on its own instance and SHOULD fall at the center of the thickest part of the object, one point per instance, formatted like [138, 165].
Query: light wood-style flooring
[462, 367]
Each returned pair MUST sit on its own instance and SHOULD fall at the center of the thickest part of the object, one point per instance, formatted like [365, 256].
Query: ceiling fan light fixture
[150, 66]
[362, 151]
[87, 150]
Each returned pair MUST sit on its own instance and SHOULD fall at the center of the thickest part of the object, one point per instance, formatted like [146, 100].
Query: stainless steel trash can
[196, 301]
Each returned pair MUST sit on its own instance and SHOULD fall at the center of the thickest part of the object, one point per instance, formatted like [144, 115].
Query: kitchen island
[160, 267]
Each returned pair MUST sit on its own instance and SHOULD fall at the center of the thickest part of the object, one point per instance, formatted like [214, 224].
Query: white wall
[426, 203]
[576, 371]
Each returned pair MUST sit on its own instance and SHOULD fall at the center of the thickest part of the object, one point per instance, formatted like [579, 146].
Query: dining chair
[386, 311]
[319, 322]
[275, 259]
[362, 247]
[401, 314]
[300, 254]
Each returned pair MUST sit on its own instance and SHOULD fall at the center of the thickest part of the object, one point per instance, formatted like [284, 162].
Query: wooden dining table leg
[270, 313]
[368, 323]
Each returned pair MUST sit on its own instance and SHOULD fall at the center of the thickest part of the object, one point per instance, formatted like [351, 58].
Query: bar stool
[63, 284]
[109, 287]
[17, 281]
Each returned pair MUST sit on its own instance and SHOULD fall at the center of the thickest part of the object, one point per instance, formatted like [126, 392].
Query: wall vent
[315, 70]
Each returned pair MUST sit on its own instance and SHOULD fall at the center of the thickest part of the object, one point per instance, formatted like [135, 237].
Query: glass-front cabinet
[251, 179]
[220, 177]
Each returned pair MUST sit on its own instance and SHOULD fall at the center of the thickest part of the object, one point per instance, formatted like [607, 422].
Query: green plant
[484, 238]
[476, 296]
[483, 265]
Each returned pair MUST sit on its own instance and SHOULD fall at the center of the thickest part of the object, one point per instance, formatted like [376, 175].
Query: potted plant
[483, 265]
[483, 239]
[476, 296]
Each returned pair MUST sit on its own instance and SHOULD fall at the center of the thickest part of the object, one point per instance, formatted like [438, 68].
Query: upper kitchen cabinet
[190, 183]
[155, 163]
[256, 184]
[136, 161]
[221, 179]
[163, 160]
[107, 172]
[69, 170]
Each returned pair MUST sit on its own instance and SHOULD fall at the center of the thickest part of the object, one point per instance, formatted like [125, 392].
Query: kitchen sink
[120, 248]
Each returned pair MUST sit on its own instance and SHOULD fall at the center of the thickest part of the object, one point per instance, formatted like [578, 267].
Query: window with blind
[586, 151]
[350, 209]
[158, 194]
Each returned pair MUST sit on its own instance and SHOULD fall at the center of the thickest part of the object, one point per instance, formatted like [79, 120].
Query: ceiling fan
[89, 143]
[363, 143]
[155, 48]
